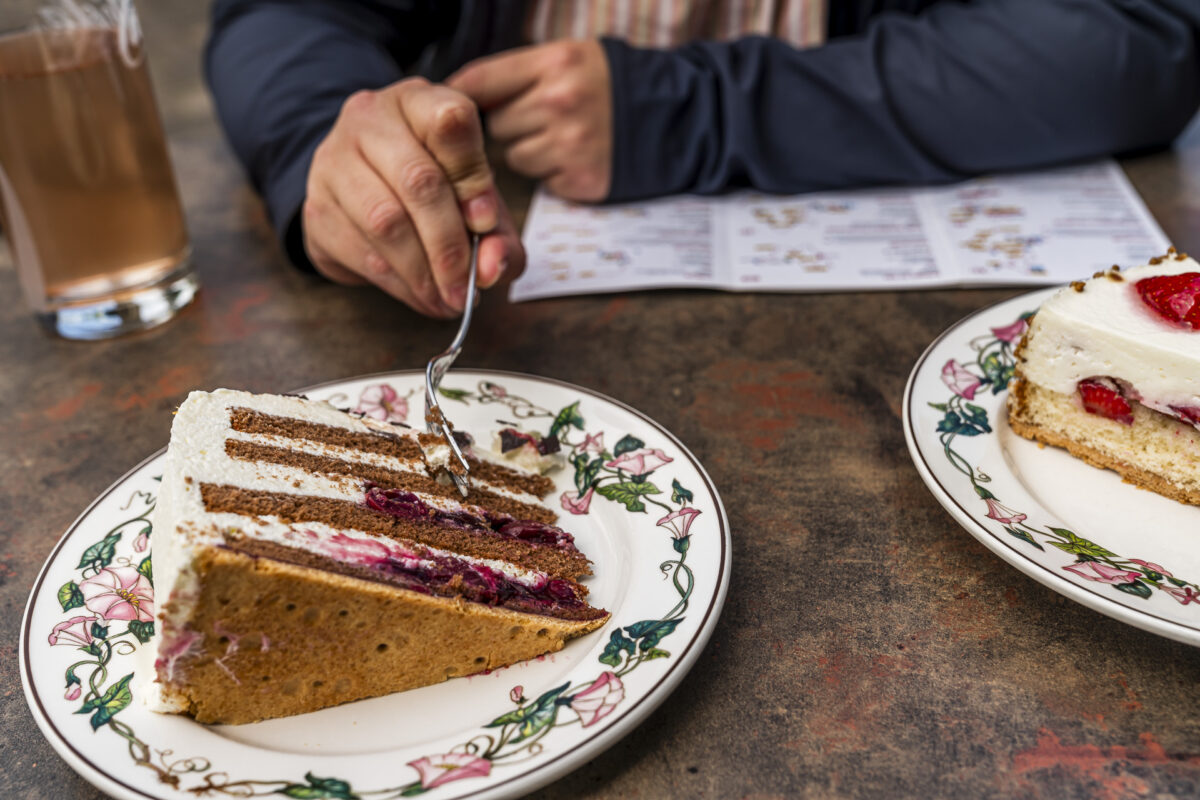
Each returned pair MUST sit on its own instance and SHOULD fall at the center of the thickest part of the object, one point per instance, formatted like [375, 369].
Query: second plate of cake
[640, 506]
[1126, 552]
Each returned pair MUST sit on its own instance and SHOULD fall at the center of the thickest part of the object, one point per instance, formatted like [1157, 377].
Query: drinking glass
[88, 200]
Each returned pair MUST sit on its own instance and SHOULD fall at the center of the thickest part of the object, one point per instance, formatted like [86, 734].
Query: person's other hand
[392, 191]
[550, 105]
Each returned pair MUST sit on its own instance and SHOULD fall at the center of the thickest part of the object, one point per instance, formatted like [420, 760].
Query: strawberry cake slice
[1109, 369]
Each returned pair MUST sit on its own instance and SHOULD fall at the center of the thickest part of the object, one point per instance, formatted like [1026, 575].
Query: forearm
[957, 90]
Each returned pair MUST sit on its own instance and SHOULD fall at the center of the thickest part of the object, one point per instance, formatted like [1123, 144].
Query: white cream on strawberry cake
[1109, 369]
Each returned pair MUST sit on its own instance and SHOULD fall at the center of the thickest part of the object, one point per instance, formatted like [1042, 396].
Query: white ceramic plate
[662, 573]
[1125, 552]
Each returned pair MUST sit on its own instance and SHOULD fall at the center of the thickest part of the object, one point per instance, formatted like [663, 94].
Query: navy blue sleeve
[956, 90]
[280, 71]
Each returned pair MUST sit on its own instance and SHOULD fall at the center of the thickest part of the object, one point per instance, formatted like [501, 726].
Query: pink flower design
[73, 692]
[1011, 333]
[598, 700]
[119, 593]
[593, 443]
[381, 402]
[959, 380]
[517, 694]
[641, 461]
[680, 522]
[1150, 565]
[436, 770]
[576, 503]
[1184, 595]
[1002, 513]
[142, 542]
[77, 632]
[1102, 573]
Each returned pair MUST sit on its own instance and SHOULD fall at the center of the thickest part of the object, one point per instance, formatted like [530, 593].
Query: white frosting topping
[1108, 330]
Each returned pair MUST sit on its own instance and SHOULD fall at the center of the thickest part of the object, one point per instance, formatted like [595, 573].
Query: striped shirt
[669, 23]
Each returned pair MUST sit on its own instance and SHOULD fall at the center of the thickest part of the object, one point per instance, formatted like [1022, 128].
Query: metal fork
[435, 421]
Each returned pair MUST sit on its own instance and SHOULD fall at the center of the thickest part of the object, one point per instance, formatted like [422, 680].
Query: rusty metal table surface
[869, 647]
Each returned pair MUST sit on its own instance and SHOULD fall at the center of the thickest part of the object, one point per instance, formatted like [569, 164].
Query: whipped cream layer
[1106, 330]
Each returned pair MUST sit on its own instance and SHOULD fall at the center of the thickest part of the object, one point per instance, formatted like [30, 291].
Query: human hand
[550, 105]
[394, 188]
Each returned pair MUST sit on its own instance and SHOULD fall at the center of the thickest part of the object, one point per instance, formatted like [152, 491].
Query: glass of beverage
[88, 201]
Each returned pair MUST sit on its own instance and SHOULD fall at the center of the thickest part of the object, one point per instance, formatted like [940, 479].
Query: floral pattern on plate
[104, 612]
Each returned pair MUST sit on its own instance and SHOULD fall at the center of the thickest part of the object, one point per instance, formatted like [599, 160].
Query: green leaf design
[1177, 582]
[319, 788]
[108, 704]
[541, 714]
[1077, 545]
[147, 569]
[460, 395]
[628, 493]
[101, 553]
[612, 651]
[652, 631]
[70, 596]
[568, 417]
[977, 416]
[586, 472]
[656, 653]
[938, 406]
[997, 371]
[1136, 587]
[144, 631]
[99, 631]
[974, 423]
[1024, 536]
[531, 718]
[628, 444]
[680, 494]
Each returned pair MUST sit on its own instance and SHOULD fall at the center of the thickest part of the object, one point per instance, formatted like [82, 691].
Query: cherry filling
[1102, 396]
[511, 439]
[447, 576]
[442, 575]
[407, 505]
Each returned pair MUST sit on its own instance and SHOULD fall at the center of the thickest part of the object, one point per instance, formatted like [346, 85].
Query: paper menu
[1036, 228]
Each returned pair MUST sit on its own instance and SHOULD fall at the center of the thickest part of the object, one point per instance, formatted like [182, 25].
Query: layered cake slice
[304, 557]
[1109, 369]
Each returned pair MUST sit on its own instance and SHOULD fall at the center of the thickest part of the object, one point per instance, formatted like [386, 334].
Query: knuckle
[376, 265]
[562, 96]
[565, 55]
[385, 219]
[455, 119]
[359, 102]
[421, 181]
[449, 259]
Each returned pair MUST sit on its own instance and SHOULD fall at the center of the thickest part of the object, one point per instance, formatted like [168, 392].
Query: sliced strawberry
[1175, 298]
[1100, 396]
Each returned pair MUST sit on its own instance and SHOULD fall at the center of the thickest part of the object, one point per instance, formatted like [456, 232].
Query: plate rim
[1085, 596]
[540, 775]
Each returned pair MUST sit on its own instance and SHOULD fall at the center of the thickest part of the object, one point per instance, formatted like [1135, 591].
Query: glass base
[126, 313]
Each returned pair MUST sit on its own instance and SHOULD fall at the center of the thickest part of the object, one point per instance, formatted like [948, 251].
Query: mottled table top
[869, 647]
